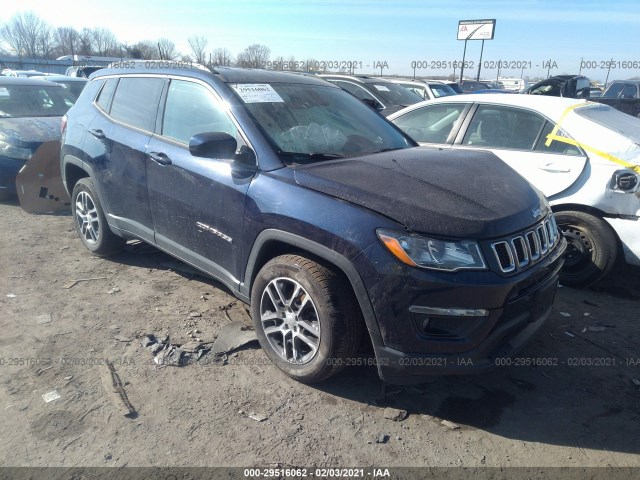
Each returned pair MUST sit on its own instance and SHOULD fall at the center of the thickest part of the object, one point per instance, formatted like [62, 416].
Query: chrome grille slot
[544, 239]
[521, 252]
[533, 242]
[527, 248]
[552, 234]
[504, 256]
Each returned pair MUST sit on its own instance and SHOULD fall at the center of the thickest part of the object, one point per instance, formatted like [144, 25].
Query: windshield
[307, 123]
[34, 101]
[394, 94]
[612, 119]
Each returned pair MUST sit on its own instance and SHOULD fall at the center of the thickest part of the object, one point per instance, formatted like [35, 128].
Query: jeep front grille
[528, 247]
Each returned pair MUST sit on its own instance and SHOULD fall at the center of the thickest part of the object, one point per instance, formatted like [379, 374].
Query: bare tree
[221, 57]
[144, 50]
[198, 45]
[46, 42]
[292, 64]
[66, 40]
[85, 42]
[167, 49]
[254, 56]
[104, 42]
[278, 63]
[27, 34]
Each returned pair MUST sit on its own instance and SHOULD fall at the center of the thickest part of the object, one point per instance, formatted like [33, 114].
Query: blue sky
[368, 31]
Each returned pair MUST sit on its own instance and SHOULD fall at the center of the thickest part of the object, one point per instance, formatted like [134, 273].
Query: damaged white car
[584, 156]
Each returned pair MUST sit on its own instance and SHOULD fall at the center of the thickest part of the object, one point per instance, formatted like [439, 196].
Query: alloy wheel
[290, 320]
[87, 218]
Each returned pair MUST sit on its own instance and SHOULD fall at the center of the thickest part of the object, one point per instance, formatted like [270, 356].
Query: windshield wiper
[324, 156]
[389, 149]
[302, 156]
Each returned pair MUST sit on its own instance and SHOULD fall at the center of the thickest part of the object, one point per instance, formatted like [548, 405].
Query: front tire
[591, 251]
[90, 221]
[306, 318]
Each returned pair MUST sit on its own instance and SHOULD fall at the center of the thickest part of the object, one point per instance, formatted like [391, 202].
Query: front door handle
[160, 158]
[97, 133]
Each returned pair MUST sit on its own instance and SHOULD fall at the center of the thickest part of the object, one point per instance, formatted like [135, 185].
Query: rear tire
[90, 221]
[591, 251]
[306, 318]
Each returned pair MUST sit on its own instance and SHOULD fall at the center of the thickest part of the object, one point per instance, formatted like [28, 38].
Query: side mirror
[213, 145]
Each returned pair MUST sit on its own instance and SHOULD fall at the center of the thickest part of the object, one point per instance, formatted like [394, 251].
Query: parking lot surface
[569, 399]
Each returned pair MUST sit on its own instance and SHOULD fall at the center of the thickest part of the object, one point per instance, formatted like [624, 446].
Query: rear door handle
[555, 168]
[97, 133]
[160, 158]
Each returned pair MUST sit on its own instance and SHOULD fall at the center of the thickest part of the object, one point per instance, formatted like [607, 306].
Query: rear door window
[106, 94]
[503, 127]
[557, 145]
[136, 101]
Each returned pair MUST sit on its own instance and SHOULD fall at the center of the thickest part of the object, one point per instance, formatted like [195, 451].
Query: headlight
[425, 252]
[11, 151]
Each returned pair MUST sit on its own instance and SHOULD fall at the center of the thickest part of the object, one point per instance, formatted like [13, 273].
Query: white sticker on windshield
[382, 88]
[4, 92]
[257, 93]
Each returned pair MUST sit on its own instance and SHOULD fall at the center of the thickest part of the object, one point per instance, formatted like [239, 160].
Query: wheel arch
[271, 243]
[73, 171]
[595, 212]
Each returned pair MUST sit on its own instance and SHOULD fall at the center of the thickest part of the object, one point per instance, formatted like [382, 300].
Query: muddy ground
[578, 407]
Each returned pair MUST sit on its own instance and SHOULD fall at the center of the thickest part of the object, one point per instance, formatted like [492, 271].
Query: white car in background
[427, 89]
[584, 156]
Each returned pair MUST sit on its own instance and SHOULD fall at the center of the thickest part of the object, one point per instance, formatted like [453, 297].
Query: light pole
[480, 63]
[464, 54]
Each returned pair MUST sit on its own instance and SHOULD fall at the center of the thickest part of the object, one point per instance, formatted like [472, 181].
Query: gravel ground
[569, 399]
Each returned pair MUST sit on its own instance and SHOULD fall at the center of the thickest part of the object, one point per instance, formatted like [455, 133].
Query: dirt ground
[578, 405]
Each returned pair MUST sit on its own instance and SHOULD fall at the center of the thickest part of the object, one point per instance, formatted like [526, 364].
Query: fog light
[447, 323]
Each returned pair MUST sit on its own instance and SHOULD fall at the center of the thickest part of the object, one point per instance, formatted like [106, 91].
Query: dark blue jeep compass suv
[317, 211]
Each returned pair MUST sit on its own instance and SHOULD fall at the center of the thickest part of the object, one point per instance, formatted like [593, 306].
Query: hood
[450, 193]
[29, 132]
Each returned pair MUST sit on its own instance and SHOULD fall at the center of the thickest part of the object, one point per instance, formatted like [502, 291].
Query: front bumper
[501, 315]
[628, 230]
[9, 168]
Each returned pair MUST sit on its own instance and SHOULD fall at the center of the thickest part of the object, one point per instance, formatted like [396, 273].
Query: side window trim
[467, 115]
[162, 104]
